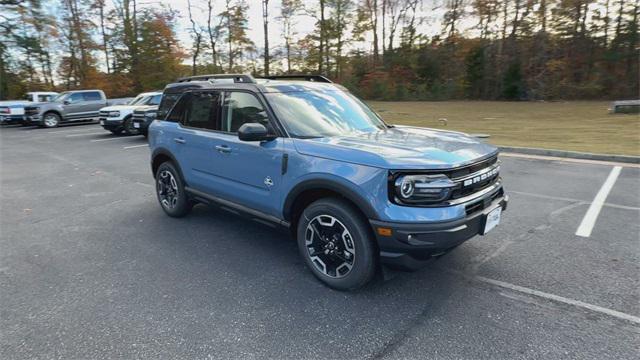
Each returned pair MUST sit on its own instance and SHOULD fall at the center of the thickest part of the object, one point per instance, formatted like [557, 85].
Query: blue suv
[303, 153]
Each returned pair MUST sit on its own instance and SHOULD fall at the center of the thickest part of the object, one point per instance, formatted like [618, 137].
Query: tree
[265, 24]
[289, 9]
[235, 24]
[196, 34]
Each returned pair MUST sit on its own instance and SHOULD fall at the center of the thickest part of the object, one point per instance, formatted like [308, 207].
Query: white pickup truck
[118, 118]
[12, 111]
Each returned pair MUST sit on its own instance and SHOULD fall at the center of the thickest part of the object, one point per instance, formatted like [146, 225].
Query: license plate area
[136, 125]
[492, 219]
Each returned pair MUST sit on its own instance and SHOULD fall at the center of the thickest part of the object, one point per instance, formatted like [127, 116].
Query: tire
[127, 125]
[346, 262]
[171, 195]
[50, 120]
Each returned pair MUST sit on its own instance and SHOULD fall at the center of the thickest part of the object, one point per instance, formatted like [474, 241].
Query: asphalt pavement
[90, 267]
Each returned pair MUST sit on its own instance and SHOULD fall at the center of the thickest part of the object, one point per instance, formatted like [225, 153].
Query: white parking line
[595, 308]
[74, 130]
[109, 139]
[135, 146]
[565, 159]
[589, 220]
[85, 134]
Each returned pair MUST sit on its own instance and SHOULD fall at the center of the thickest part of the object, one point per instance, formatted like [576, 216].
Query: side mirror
[67, 102]
[254, 132]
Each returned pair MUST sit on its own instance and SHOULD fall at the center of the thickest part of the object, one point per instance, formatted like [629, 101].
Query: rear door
[93, 102]
[197, 136]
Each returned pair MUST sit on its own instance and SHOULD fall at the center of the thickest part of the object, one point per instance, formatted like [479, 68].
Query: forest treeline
[482, 49]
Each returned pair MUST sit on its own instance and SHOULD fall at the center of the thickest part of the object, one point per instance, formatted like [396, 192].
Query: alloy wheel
[330, 246]
[167, 189]
[50, 120]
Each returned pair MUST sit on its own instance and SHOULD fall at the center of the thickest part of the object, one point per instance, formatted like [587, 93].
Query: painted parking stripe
[92, 128]
[589, 220]
[85, 134]
[111, 138]
[134, 146]
[561, 299]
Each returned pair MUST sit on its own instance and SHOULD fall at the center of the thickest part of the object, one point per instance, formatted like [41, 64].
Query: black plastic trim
[319, 184]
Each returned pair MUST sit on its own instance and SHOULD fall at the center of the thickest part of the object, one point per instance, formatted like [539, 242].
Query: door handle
[180, 140]
[224, 149]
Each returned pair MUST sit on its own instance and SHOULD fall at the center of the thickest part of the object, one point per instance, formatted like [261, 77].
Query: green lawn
[577, 125]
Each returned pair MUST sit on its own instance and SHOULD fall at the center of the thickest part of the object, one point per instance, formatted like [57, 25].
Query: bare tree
[196, 33]
[265, 24]
[289, 11]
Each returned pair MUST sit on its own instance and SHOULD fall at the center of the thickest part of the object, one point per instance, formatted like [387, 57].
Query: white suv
[117, 118]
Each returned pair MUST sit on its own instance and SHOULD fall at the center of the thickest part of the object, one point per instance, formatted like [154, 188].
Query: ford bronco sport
[303, 153]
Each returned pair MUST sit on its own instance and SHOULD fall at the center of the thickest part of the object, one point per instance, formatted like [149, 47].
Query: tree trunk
[265, 22]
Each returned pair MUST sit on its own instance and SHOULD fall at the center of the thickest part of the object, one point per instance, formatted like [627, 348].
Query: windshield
[154, 100]
[323, 113]
[137, 100]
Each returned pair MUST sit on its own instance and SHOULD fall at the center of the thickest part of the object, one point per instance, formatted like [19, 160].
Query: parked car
[308, 155]
[118, 118]
[12, 111]
[143, 117]
[69, 106]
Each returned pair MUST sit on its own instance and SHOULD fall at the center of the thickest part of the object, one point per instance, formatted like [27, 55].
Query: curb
[571, 154]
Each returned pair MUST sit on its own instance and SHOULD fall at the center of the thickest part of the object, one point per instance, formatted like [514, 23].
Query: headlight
[114, 113]
[422, 189]
[150, 114]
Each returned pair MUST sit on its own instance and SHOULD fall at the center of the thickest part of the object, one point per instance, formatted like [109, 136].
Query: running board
[258, 215]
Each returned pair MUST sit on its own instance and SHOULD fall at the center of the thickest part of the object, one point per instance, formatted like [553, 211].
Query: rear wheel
[170, 191]
[336, 243]
[51, 120]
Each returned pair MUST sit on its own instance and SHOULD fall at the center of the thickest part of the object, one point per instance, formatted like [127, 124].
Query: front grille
[481, 205]
[138, 116]
[468, 180]
[104, 114]
[30, 111]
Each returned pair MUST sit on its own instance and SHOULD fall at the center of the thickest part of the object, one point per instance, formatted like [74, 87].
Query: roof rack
[313, 78]
[237, 78]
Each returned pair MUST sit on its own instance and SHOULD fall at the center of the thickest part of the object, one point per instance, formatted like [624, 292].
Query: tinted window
[177, 110]
[92, 96]
[76, 97]
[241, 108]
[203, 111]
[168, 100]
[43, 98]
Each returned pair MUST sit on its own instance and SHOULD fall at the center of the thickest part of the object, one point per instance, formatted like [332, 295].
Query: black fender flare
[327, 184]
[164, 152]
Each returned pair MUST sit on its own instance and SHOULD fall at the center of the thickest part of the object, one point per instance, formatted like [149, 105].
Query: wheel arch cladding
[309, 191]
[162, 155]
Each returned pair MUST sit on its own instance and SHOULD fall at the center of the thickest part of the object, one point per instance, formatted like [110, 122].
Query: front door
[248, 172]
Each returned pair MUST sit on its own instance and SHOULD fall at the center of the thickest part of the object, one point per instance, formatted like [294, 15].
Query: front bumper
[33, 120]
[411, 246]
[110, 123]
[9, 119]
[142, 124]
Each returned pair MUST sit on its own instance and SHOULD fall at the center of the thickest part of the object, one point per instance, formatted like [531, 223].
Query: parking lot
[91, 267]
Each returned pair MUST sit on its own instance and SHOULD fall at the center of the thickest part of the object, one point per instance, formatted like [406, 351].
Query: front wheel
[337, 244]
[170, 190]
[51, 120]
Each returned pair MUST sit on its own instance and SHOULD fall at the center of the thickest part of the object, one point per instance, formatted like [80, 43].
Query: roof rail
[313, 78]
[237, 78]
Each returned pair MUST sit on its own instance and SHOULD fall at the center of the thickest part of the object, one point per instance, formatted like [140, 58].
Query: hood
[146, 108]
[121, 107]
[400, 147]
[15, 103]
[41, 103]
